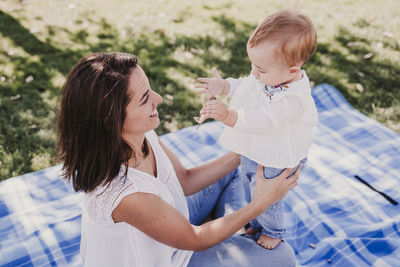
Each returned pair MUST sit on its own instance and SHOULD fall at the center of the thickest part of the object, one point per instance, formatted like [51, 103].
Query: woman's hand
[269, 191]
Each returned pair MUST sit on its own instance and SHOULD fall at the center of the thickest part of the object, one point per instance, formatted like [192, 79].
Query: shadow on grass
[26, 112]
[27, 134]
[354, 60]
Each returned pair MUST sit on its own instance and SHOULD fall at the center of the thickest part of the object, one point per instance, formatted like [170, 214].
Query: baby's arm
[254, 121]
[213, 86]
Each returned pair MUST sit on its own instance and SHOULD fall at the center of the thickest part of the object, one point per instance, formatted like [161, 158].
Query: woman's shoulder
[100, 201]
[103, 200]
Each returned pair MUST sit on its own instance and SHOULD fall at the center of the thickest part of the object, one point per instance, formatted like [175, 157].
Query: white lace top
[105, 243]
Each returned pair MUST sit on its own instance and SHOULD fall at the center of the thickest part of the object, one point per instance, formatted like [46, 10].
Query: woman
[135, 212]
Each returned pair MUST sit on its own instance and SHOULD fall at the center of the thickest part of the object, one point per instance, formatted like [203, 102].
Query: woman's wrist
[258, 207]
[233, 160]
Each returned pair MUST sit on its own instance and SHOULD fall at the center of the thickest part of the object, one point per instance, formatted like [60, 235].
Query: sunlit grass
[177, 41]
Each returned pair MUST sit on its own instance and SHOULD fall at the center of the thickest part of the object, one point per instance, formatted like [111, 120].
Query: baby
[271, 113]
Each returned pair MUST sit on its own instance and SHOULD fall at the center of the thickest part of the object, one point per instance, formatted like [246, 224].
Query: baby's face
[265, 66]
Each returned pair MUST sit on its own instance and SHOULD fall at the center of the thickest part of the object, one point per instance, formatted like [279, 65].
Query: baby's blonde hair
[293, 33]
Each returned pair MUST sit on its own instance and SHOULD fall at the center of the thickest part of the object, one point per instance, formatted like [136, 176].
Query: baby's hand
[213, 86]
[203, 117]
[215, 109]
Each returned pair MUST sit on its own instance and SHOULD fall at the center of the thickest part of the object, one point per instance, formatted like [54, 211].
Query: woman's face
[141, 112]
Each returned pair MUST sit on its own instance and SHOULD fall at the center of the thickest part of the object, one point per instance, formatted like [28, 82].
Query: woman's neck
[137, 142]
[143, 157]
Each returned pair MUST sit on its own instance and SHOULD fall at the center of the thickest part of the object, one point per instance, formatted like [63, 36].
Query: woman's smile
[154, 114]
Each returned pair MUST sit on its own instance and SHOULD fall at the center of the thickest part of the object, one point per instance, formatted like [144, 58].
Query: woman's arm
[151, 215]
[197, 178]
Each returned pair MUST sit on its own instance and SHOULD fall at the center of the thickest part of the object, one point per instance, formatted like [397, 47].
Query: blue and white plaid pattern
[40, 221]
[332, 219]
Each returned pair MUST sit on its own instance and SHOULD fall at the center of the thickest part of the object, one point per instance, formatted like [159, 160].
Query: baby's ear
[294, 70]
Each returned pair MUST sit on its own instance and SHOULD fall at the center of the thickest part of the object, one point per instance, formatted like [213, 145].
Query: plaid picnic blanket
[332, 218]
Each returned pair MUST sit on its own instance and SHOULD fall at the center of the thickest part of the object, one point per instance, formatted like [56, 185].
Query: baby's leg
[248, 170]
[267, 239]
[271, 221]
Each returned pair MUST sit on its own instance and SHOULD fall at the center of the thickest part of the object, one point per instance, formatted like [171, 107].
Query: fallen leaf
[354, 44]
[360, 87]
[18, 8]
[371, 18]
[202, 118]
[388, 34]
[29, 79]
[16, 97]
[34, 30]
[169, 97]
[369, 55]
[188, 55]
[171, 126]
[361, 74]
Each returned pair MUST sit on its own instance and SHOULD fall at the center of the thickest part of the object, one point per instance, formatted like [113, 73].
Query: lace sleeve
[126, 190]
[102, 202]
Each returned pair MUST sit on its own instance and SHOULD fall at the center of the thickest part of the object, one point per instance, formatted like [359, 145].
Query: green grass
[177, 41]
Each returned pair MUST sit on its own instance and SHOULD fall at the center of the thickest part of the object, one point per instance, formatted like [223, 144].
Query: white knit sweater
[273, 128]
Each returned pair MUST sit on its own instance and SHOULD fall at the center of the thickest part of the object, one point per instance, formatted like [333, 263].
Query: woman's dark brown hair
[92, 111]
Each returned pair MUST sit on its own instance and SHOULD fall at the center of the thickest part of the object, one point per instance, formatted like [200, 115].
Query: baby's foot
[268, 242]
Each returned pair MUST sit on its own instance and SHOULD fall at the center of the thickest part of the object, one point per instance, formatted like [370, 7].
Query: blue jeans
[220, 199]
[271, 222]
